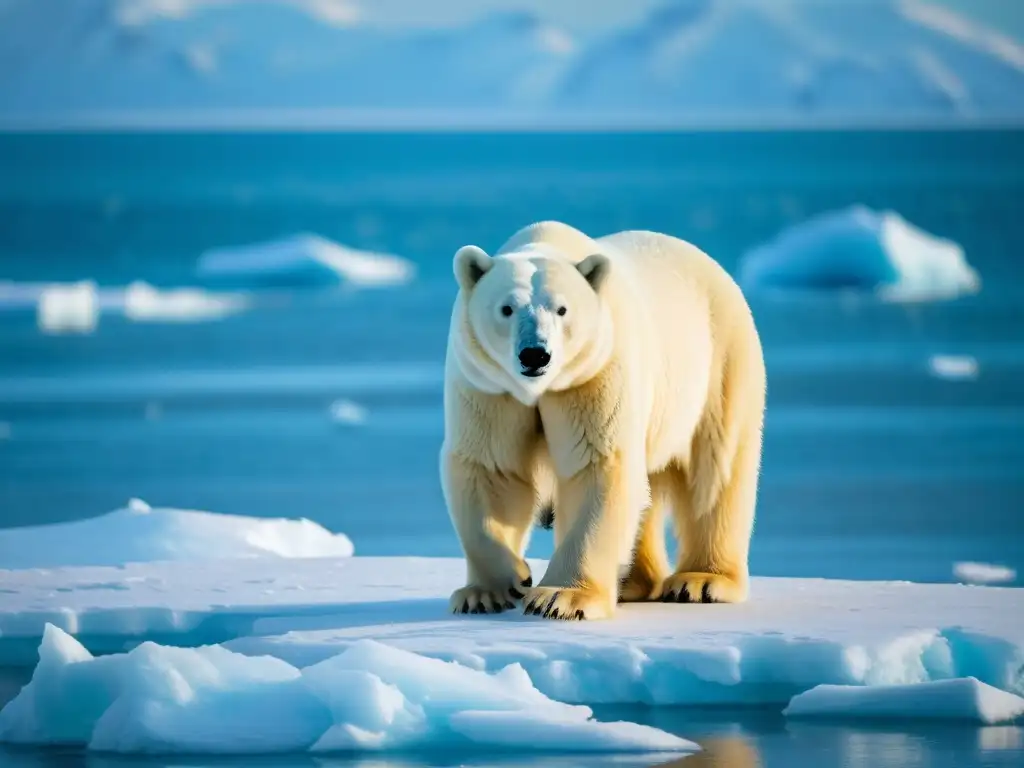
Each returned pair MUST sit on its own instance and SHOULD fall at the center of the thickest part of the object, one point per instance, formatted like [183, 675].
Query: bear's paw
[476, 599]
[567, 603]
[694, 587]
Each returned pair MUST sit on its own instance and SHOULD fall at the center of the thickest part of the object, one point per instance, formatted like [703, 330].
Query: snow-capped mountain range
[686, 60]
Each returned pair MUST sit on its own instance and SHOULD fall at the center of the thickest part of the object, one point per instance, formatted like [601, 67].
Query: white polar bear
[609, 377]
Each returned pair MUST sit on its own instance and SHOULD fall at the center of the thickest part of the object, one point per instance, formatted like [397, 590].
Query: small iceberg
[68, 308]
[302, 260]
[964, 699]
[347, 412]
[373, 698]
[139, 533]
[145, 304]
[861, 249]
[953, 367]
[983, 573]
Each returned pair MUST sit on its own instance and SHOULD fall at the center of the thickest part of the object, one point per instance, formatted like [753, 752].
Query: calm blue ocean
[874, 468]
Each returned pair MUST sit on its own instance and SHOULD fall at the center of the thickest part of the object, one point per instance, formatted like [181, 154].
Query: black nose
[534, 357]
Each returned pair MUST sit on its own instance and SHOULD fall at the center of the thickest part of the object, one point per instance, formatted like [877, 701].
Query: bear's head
[532, 321]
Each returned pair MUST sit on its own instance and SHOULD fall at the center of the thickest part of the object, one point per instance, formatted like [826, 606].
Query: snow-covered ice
[68, 308]
[369, 698]
[302, 259]
[962, 698]
[953, 367]
[858, 248]
[144, 303]
[140, 533]
[793, 635]
[983, 573]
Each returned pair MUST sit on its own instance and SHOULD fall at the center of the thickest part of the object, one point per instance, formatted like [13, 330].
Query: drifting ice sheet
[303, 259]
[139, 533]
[861, 249]
[145, 304]
[957, 699]
[158, 699]
[983, 573]
[78, 307]
[793, 635]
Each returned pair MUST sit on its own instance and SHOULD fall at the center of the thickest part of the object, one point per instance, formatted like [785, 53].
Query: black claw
[528, 582]
[516, 593]
[537, 610]
[509, 606]
[705, 595]
[477, 609]
[554, 614]
[551, 604]
[579, 615]
[684, 595]
[465, 607]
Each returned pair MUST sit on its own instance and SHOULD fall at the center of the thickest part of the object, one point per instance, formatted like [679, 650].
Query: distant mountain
[689, 59]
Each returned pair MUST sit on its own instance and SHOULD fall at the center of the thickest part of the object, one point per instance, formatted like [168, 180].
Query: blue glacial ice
[861, 249]
[368, 698]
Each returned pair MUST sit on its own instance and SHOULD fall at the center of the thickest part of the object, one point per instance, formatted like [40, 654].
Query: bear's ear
[471, 263]
[595, 269]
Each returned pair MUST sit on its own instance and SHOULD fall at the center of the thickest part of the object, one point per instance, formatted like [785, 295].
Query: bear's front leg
[492, 514]
[593, 520]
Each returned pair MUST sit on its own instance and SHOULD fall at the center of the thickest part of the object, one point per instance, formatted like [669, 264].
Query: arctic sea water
[881, 460]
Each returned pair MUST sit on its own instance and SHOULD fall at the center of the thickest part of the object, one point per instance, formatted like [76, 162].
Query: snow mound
[858, 248]
[139, 533]
[302, 260]
[68, 308]
[144, 303]
[983, 573]
[370, 698]
[958, 699]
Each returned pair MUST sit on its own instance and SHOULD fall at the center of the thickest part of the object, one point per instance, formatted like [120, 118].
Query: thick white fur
[654, 397]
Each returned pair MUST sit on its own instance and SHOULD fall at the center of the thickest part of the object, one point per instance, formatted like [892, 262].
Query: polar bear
[612, 378]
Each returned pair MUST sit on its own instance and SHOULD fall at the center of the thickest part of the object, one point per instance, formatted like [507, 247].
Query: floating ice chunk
[158, 699]
[861, 249]
[139, 533]
[68, 308]
[962, 698]
[983, 573]
[303, 259]
[793, 635]
[347, 412]
[144, 303]
[963, 367]
[162, 699]
[554, 734]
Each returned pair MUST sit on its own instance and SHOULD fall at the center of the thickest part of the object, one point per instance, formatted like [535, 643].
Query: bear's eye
[506, 311]
[562, 311]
